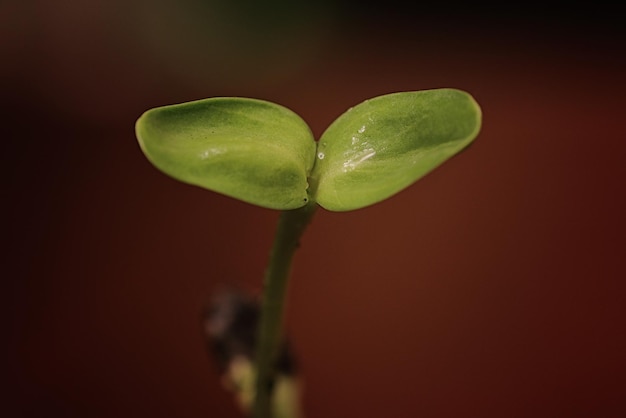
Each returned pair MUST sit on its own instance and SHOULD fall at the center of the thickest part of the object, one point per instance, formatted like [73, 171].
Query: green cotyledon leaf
[385, 144]
[249, 149]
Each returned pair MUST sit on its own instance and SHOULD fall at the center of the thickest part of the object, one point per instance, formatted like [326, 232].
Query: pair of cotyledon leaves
[265, 154]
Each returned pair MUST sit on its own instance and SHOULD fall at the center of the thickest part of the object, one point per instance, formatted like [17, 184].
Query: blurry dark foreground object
[230, 327]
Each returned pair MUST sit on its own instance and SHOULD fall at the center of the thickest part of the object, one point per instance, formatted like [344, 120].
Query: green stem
[291, 225]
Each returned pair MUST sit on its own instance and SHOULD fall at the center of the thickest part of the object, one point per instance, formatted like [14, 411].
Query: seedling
[265, 154]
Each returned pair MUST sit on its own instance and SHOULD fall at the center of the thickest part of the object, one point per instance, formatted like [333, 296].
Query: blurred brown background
[491, 288]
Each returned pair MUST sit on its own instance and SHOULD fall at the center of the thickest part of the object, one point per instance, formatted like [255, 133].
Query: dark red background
[491, 288]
